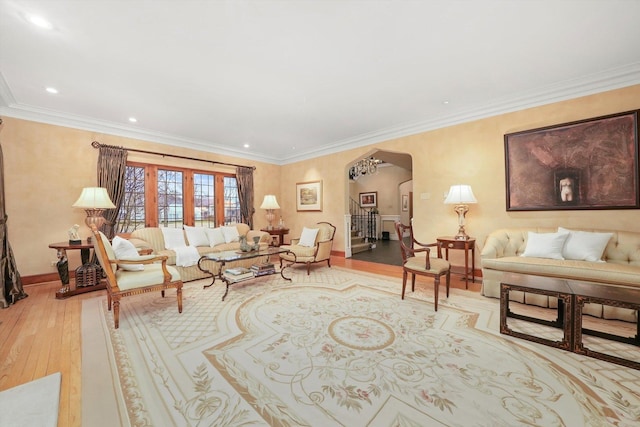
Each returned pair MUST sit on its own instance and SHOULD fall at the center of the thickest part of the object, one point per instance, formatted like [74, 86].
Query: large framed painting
[588, 164]
[309, 196]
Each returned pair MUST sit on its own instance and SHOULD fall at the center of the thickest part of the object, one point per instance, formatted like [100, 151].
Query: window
[171, 197]
[131, 215]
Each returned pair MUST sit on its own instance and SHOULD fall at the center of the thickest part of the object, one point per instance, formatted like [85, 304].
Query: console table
[63, 268]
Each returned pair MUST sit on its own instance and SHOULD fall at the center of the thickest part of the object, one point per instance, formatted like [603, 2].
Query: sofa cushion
[308, 237]
[230, 233]
[197, 236]
[584, 245]
[173, 237]
[609, 273]
[215, 236]
[545, 245]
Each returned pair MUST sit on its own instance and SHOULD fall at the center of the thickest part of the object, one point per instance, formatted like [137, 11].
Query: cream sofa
[502, 253]
[153, 238]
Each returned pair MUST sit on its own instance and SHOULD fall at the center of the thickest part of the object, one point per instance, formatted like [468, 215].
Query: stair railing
[363, 221]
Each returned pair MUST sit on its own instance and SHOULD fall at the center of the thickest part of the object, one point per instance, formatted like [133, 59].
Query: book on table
[263, 269]
[238, 274]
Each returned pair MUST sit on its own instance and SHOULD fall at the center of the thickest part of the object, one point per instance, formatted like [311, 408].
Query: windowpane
[132, 212]
[231, 201]
[204, 200]
[170, 200]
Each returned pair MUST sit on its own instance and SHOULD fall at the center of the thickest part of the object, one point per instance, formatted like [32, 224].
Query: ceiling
[299, 79]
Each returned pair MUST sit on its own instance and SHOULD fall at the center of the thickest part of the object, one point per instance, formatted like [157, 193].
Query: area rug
[35, 403]
[336, 348]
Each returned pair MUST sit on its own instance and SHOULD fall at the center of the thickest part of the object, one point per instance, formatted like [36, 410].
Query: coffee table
[222, 258]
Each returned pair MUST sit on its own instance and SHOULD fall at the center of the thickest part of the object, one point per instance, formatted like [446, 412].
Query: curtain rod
[96, 144]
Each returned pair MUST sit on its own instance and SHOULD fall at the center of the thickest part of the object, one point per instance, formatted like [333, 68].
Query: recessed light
[40, 22]
[52, 90]
[246, 146]
[133, 120]
[445, 102]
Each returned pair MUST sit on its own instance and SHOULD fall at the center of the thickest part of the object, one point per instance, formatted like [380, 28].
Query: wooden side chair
[316, 249]
[423, 266]
[154, 275]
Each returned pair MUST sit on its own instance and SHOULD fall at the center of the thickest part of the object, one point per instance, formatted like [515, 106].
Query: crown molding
[617, 78]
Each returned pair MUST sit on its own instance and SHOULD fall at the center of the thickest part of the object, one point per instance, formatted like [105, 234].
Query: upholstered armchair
[133, 275]
[314, 245]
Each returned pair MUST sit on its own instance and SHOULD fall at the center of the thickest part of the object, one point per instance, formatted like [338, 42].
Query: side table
[276, 232]
[450, 242]
[63, 268]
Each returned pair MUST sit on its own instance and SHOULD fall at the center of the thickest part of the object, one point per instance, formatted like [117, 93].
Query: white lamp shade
[94, 198]
[460, 194]
[270, 202]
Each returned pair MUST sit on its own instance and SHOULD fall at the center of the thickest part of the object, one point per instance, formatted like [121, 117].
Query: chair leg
[179, 296]
[436, 286]
[162, 293]
[308, 268]
[116, 312]
[448, 278]
[404, 282]
[413, 282]
[109, 301]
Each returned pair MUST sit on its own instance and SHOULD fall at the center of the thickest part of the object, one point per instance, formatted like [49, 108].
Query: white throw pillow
[308, 237]
[545, 245]
[215, 236]
[197, 236]
[585, 245]
[173, 237]
[124, 249]
[230, 233]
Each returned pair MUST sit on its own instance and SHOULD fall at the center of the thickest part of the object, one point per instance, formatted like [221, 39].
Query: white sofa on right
[618, 264]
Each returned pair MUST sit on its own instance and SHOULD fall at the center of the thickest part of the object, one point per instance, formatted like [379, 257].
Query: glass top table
[222, 258]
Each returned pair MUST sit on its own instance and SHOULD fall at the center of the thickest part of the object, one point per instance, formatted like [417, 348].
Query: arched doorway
[378, 200]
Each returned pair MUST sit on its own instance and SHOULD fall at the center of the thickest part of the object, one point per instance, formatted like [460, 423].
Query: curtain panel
[112, 166]
[244, 178]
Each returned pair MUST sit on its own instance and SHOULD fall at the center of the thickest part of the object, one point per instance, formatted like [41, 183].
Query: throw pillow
[215, 236]
[173, 237]
[196, 236]
[124, 249]
[230, 233]
[585, 245]
[308, 237]
[545, 245]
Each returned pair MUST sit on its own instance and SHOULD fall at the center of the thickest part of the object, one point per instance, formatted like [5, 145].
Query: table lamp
[94, 200]
[270, 203]
[460, 195]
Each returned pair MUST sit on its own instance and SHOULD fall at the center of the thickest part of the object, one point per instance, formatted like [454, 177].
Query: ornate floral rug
[336, 348]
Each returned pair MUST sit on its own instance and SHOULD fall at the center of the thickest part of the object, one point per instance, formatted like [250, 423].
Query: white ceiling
[298, 79]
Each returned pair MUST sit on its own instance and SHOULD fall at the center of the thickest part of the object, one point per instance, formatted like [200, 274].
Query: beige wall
[47, 166]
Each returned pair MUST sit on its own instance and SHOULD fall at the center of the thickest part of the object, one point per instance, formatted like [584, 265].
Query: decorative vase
[256, 245]
[244, 246]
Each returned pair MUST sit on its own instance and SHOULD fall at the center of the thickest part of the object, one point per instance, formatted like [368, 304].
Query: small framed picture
[405, 203]
[369, 200]
[309, 196]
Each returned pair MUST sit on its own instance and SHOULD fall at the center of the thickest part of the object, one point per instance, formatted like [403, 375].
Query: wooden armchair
[423, 266]
[155, 275]
[318, 251]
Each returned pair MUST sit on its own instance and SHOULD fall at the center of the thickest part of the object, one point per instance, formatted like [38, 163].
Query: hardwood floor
[41, 335]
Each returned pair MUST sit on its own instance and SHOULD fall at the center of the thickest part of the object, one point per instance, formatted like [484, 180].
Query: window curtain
[244, 178]
[10, 280]
[112, 166]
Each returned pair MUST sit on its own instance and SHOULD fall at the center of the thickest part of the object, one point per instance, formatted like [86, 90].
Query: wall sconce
[270, 203]
[94, 200]
[460, 196]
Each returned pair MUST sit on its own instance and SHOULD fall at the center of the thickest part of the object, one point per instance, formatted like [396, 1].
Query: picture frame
[405, 203]
[586, 164]
[309, 196]
[368, 200]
